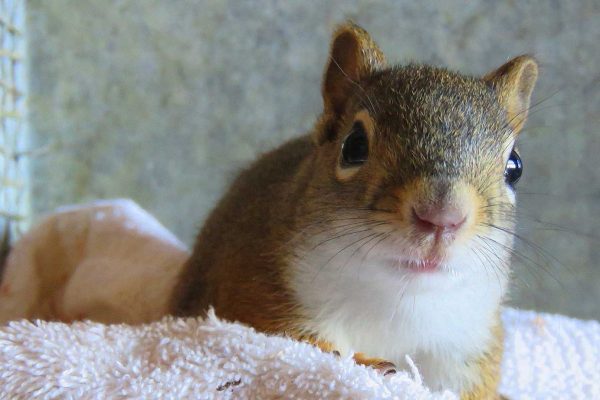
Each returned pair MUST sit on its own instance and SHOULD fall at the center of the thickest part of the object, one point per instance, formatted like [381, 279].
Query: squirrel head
[423, 156]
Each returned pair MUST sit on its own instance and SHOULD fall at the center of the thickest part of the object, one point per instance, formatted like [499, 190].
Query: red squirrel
[384, 230]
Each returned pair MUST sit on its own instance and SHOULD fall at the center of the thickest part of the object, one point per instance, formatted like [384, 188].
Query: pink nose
[431, 219]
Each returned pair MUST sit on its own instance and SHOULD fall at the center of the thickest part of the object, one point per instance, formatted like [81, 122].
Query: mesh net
[13, 185]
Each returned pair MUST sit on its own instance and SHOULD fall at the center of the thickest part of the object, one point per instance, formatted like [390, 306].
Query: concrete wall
[162, 101]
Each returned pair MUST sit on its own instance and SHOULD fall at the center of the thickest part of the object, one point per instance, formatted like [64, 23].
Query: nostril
[436, 218]
[422, 223]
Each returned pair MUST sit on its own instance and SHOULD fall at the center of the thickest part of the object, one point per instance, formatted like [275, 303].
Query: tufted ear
[514, 83]
[353, 56]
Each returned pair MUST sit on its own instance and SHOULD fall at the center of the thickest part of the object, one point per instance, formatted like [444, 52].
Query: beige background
[162, 101]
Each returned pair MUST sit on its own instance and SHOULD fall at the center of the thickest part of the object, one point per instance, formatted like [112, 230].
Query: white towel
[99, 261]
[181, 359]
[547, 357]
[550, 357]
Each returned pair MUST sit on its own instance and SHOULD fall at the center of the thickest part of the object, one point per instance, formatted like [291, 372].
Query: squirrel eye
[514, 168]
[355, 149]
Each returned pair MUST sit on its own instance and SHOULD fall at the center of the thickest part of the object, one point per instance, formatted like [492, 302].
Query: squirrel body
[384, 230]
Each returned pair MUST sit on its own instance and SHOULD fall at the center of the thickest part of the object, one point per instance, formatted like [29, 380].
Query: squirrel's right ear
[353, 56]
[514, 83]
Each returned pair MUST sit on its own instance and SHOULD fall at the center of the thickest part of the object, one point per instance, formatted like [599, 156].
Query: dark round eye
[355, 149]
[514, 168]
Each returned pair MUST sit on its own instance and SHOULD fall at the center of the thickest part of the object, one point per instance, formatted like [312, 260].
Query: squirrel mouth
[424, 265]
[429, 261]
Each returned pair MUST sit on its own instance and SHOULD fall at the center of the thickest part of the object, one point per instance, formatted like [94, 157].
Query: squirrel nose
[435, 218]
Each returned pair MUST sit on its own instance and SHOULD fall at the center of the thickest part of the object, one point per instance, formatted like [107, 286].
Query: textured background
[162, 101]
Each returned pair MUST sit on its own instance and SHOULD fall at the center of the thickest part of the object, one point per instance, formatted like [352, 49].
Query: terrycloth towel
[181, 359]
[550, 357]
[112, 261]
[547, 357]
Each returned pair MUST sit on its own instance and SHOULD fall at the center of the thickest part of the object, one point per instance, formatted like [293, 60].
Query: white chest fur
[439, 319]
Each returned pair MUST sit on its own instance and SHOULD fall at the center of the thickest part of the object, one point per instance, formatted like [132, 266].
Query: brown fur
[488, 368]
[429, 128]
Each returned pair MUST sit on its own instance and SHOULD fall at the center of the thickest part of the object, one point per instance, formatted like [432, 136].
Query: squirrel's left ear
[514, 83]
[352, 57]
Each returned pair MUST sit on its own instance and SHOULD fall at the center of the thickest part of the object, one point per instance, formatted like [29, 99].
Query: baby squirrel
[385, 230]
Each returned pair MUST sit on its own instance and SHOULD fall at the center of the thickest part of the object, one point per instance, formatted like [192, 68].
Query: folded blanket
[113, 262]
[108, 261]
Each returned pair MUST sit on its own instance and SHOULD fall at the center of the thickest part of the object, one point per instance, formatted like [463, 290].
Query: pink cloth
[108, 261]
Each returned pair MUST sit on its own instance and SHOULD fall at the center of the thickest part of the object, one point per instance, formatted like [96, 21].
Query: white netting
[13, 184]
